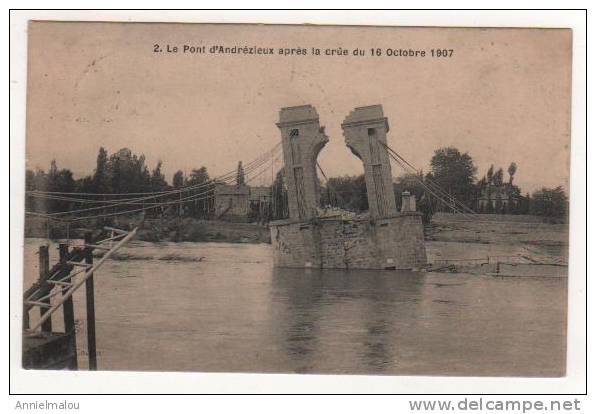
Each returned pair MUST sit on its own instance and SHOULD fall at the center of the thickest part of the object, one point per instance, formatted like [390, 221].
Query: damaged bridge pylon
[385, 239]
[365, 129]
[302, 140]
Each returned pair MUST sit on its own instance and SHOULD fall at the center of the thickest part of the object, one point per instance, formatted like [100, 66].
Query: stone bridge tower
[365, 130]
[302, 140]
[385, 240]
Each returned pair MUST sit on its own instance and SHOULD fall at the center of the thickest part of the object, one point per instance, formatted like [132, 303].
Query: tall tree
[53, 171]
[198, 176]
[481, 189]
[204, 190]
[158, 180]
[489, 188]
[511, 171]
[178, 179]
[59, 180]
[240, 174]
[101, 175]
[128, 172]
[489, 174]
[455, 173]
[498, 178]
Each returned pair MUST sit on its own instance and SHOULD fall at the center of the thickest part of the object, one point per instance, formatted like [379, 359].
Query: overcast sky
[503, 96]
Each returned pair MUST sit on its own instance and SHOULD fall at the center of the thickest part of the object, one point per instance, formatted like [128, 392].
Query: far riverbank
[154, 230]
[448, 237]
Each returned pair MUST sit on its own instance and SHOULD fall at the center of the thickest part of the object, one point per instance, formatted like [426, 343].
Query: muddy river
[218, 307]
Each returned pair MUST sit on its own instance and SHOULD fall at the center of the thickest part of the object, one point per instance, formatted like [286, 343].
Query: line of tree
[455, 172]
[122, 172]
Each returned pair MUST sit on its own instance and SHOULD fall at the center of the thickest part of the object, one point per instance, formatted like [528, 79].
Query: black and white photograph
[296, 199]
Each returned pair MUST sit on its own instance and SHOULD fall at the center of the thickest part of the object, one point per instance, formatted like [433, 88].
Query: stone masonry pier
[332, 243]
[385, 239]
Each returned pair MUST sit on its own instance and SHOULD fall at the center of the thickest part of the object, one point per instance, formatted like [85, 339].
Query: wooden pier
[43, 346]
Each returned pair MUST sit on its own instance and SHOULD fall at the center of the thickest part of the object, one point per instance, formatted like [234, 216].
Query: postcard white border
[23, 381]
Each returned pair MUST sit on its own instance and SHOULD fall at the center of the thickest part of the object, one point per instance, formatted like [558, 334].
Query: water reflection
[317, 301]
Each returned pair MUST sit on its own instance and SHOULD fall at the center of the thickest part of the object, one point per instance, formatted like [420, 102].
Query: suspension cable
[152, 194]
[430, 186]
[137, 200]
[192, 198]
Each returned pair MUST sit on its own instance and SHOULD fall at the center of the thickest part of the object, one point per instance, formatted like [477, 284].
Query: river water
[219, 307]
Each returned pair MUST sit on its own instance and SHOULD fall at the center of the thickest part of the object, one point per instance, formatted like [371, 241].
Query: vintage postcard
[297, 199]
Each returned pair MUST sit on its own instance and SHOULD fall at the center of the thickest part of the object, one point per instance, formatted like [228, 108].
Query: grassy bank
[186, 229]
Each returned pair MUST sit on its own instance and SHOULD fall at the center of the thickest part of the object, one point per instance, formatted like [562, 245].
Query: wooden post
[69, 321]
[90, 300]
[25, 318]
[68, 307]
[44, 269]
